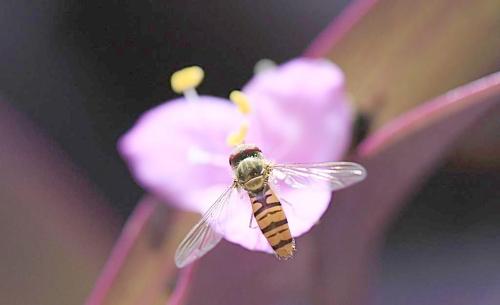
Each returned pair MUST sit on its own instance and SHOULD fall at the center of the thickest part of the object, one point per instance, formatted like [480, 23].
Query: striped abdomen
[272, 222]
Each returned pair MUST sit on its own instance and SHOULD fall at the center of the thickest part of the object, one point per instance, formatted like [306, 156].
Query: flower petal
[304, 208]
[178, 149]
[302, 113]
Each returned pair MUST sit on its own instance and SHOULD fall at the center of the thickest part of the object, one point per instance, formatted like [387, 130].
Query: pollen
[241, 101]
[186, 79]
[239, 136]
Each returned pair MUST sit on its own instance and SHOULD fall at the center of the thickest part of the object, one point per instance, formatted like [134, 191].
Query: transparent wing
[327, 175]
[203, 237]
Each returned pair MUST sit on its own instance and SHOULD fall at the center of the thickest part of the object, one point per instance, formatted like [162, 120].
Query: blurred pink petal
[295, 98]
[178, 150]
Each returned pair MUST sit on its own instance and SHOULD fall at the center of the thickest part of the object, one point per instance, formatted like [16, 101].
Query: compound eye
[232, 160]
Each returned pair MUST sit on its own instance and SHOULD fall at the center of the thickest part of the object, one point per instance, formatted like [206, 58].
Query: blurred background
[78, 74]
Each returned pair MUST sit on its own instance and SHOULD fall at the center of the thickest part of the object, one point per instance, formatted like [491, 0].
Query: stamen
[244, 106]
[240, 100]
[238, 137]
[186, 80]
[191, 94]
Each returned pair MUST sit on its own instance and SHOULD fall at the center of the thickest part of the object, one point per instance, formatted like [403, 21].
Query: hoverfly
[259, 177]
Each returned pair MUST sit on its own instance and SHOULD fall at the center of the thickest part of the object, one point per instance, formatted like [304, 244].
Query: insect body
[272, 221]
[252, 173]
[259, 178]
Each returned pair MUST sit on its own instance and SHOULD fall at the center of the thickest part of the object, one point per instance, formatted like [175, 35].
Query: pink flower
[299, 113]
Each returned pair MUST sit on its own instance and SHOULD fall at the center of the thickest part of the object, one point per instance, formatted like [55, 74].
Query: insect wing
[203, 237]
[327, 175]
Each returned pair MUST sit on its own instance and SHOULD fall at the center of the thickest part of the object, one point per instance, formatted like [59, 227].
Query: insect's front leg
[268, 168]
[237, 185]
[250, 223]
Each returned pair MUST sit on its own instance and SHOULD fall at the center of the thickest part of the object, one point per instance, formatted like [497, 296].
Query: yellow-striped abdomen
[272, 222]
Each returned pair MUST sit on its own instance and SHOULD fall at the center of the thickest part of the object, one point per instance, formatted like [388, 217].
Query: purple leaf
[141, 269]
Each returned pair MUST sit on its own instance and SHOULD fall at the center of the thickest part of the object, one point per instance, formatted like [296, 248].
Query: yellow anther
[187, 78]
[240, 100]
[239, 136]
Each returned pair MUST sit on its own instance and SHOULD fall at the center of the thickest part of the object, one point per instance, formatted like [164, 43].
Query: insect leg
[251, 222]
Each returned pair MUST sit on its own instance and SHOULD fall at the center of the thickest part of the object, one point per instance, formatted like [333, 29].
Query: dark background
[84, 72]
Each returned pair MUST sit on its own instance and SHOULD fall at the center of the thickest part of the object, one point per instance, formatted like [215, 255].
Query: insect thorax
[249, 167]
